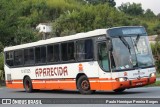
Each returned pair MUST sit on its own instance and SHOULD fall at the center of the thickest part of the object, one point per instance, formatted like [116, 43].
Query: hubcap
[85, 85]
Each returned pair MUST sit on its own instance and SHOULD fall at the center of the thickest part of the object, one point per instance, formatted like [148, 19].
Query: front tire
[28, 85]
[83, 85]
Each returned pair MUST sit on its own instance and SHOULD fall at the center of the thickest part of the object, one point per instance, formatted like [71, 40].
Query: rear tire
[119, 90]
[28, 85]
[83, 85]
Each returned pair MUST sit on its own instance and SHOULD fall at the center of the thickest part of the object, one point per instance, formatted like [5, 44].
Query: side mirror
[108, 38]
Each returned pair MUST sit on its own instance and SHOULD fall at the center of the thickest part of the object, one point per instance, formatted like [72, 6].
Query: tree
[1, 47]
[18, 18]
[110, 2]
[149, 13]
[1, 61]
[158, 15]
[131, 9]
[88, 18]
[157, 29]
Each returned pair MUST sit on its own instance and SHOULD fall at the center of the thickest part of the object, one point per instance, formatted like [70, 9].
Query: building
[152, 39]
[45, 29]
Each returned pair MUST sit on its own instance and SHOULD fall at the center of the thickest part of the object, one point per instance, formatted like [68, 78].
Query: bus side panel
[106, 86]
[10, 82]
[94, 84]
[90, 69]
[53, 84]
[106, 81]
[60, 76]
[68, 84]
[101, 84]
[15, 84]
[38, 84]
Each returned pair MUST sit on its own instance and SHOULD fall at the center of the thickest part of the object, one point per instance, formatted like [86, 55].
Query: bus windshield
[131, 52]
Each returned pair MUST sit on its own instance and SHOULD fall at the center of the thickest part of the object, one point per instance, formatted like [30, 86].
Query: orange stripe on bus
[70, 84]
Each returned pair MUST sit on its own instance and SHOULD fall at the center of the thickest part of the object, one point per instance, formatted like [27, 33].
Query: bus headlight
[121, 79]
[152, 74]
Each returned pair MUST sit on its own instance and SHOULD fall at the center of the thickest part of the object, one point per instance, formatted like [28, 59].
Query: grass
[157, 83]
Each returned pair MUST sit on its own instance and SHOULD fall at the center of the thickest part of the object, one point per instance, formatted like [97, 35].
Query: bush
[1, 61]
[156, 54]
[1, 47]
[1, 66]
[1, 76]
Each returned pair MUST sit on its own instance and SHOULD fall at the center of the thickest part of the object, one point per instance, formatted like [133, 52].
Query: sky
[154, 5]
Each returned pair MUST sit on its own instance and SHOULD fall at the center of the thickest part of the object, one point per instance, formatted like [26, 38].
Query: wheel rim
[85, 85]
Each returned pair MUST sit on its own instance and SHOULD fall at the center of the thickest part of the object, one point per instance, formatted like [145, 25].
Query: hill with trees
[19, 18]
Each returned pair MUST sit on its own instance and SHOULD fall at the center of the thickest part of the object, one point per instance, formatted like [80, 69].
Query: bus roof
[58, 39]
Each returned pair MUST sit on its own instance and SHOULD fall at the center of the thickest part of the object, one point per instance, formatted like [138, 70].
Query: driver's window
[103, 56]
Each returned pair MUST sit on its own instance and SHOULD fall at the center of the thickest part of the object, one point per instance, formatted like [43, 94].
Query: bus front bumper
[134, 83]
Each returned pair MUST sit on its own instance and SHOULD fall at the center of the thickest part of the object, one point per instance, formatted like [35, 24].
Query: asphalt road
[144, 92]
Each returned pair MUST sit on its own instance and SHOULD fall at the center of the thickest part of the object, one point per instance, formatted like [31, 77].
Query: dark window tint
[18, 57]
[53, 53]
[28, 56]
[84, 49]
[88, 49]
[67, 50]
[64, 51]
[71, 51]
[9, 58]
[40, 54]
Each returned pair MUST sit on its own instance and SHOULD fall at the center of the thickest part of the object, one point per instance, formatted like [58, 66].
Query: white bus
[112, 59]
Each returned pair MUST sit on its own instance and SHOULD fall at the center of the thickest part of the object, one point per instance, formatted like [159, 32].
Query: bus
[112, 59]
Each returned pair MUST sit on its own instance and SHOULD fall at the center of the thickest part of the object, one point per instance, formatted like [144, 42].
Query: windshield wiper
[125, 43]
[137, 40]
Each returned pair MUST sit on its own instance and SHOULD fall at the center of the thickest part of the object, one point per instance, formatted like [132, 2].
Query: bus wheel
[28, 85]
[83, 85]
[119, 90]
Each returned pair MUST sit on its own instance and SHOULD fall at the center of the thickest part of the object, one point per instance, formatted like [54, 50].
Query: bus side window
[53, 53]
[71, 51]
[43, 54]
[80, 50]
[40, 54]
[84, 49]
[18, 57]
[37, 55]
[64, 51]
[67, 50]
[89, 49]
[28, 56]
[9, 58]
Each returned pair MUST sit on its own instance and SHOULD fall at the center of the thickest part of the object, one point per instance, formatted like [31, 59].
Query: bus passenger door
[104, 69]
